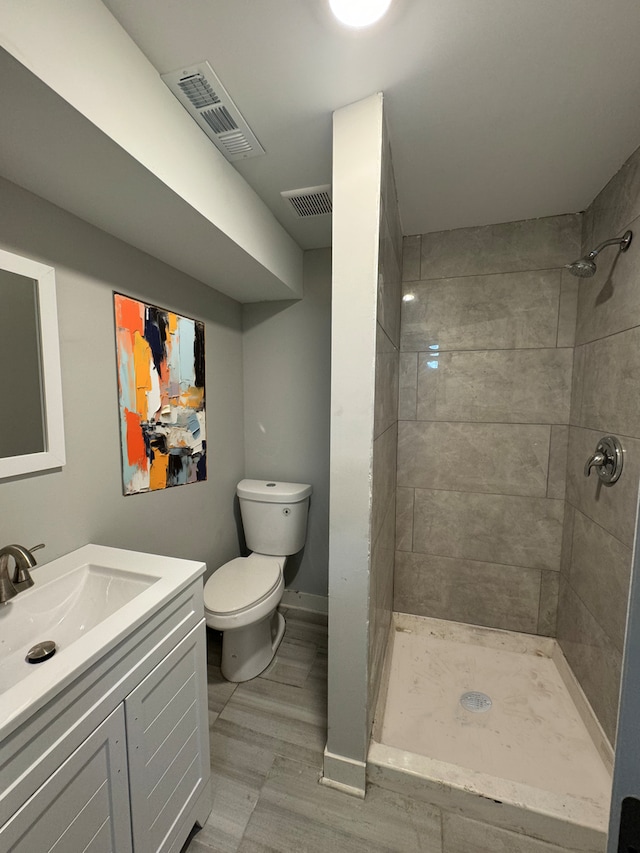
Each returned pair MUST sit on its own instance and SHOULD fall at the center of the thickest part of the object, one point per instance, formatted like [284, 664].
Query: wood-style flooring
[267, 740]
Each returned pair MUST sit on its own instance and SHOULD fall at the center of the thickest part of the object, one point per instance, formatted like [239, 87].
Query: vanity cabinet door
[84, 806]
[168, 744]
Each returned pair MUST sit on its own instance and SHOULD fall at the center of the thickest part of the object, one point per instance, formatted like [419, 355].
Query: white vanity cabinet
[119, 760]
[84, 805]
[168, 745]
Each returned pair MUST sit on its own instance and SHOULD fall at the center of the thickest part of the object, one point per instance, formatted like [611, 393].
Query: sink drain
[41, 652]
[475, 701]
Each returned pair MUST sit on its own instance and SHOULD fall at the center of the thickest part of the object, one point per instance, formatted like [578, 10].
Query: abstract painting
[161, 394]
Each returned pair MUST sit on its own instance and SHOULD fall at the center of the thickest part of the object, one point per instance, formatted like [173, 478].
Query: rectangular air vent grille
[204, 97]
[310, 201]
[236, 143]
[199, 92]
[219, 119]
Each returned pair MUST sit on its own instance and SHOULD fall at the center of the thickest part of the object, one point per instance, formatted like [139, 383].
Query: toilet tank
[274, 515]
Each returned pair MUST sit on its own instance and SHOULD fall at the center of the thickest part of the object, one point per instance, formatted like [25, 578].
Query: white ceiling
[497, 109]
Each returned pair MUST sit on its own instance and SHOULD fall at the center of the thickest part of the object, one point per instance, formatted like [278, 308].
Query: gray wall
[356, 181]
[599, 522]
[83, 501]
[385, 427]
[287, 387]
[487, 333]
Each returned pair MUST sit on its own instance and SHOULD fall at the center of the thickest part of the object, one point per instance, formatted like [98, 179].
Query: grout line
[597, 524]
[488, 274]
[549, 459]
[441, 350]
[535, 497]
[484, 562]
[558, 313]
[486, 423]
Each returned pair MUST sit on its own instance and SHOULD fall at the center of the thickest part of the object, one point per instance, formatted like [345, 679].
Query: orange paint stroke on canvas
[142, 372]
[129, 314]
[158, 471]
[136, 450]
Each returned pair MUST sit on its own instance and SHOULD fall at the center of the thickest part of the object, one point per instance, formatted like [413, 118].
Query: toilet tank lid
[271, 491]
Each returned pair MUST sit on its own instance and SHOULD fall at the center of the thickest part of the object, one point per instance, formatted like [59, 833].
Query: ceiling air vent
[311, 201]
[202, 94]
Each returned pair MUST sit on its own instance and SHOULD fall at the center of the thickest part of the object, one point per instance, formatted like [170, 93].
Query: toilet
[242, 596]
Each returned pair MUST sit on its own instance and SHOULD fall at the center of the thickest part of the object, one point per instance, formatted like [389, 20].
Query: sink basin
[86, 603]
[62, 610]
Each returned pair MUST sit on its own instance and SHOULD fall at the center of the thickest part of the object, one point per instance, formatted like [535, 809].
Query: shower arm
[615, 241]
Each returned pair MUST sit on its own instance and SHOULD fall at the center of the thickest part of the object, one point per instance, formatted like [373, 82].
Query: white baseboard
[344, 774]
[305, 601]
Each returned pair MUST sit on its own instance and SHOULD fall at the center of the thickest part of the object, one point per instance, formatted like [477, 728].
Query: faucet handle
[594, 461]
[37, 547]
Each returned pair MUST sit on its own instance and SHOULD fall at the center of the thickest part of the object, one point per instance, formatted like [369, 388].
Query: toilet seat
[242, 584]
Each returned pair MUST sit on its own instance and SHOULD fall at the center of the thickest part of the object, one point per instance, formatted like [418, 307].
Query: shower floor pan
[491, 725]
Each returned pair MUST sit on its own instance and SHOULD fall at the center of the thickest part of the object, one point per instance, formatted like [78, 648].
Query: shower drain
[475, 701]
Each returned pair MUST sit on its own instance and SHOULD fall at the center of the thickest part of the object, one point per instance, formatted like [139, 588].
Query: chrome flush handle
[607, 460]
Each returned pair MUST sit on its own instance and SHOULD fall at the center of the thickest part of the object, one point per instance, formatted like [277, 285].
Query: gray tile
[618, 204]
[219, 690]
[411, 247]
[404, 519]
[508, 459]
[502, 311]
[277, 717]
[384, 477]
[577, 382]
[389, 284]
[515, 531]
[408, 385]
[380, 604]
[461, 835]
[292, 663]
[567, 539]
[587, 229]
[600, 572]
[390, 201]
[496, 596]
[386, 383]
[610, 399]
[296, 814]
[612, 507]
[610, 302]
[509, 386]
[592, 656]
[530, 244]
[568, 310]
[307, 626]
[548, 609]
[238, 771]
[556, 486]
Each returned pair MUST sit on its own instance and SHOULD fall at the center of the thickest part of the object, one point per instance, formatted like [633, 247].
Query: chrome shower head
[582, 268]
[585, 267]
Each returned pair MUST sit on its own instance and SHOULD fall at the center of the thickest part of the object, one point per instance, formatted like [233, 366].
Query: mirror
[31, 425]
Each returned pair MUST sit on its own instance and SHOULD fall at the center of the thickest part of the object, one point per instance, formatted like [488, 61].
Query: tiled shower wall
[487, 334]
[385, 432]
[599, 520]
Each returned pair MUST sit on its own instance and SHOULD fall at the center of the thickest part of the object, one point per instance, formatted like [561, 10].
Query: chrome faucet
[24, 560]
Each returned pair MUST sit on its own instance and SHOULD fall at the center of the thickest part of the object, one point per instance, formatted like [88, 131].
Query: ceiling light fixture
[359, 13]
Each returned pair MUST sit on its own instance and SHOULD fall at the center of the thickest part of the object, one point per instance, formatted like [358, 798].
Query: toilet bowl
[242, 596]
[240, 600]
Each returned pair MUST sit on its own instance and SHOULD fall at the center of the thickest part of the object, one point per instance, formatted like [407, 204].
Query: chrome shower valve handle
[607, 460]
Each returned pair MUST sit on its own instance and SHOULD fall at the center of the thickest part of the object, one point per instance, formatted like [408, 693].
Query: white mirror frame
[54, 454]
